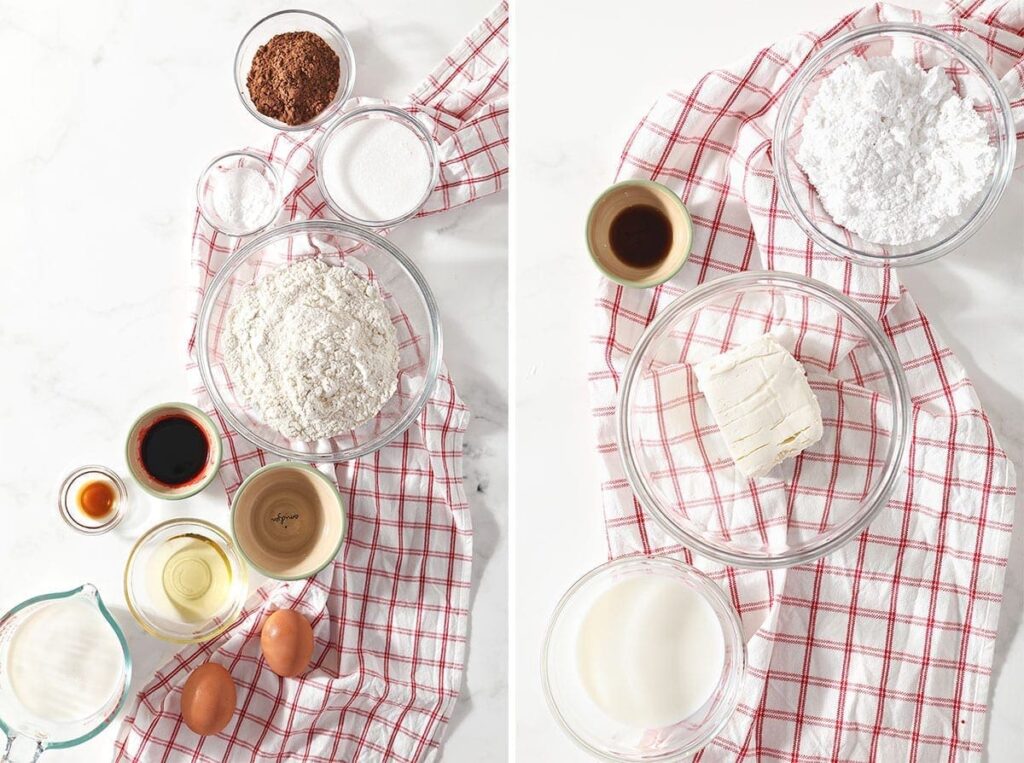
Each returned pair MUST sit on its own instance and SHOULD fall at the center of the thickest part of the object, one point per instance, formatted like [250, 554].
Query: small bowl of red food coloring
[173, 450]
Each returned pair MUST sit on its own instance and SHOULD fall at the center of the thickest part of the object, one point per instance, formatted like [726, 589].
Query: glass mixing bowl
[584, 721]
[930, 48]
[409, 301]
[145, 575]
[677, 461]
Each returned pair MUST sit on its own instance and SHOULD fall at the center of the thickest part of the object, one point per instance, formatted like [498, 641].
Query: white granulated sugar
[376, 169]
[242, 197]
[892, 150]
[312, 348]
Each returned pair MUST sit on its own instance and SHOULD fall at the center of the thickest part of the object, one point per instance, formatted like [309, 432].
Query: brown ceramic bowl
[288, 520]
[133, 451]
[627, 194]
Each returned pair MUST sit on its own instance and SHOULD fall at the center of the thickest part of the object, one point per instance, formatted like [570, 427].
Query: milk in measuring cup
[64, 661]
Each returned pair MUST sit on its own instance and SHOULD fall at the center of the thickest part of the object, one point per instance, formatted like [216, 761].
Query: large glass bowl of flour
[410, 306]
[971, 80]
[678, 461]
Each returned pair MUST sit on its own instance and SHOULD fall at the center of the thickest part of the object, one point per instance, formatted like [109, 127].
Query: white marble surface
[567, 141]
[111, 109]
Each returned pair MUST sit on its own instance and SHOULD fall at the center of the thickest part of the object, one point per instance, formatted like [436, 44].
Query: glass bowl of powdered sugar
[319, 341]
[893, 144]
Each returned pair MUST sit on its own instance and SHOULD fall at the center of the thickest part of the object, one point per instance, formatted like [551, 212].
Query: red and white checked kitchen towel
[390, 615]
[881, 651]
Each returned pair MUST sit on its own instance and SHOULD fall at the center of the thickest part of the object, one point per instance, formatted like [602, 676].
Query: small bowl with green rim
[191, 483]
[288, 520]
[637, 193]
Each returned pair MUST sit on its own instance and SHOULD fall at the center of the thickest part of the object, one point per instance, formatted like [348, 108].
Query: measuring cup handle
[22, 750]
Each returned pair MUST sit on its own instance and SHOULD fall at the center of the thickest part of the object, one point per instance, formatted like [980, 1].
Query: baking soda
[376, 169]
[243, 199]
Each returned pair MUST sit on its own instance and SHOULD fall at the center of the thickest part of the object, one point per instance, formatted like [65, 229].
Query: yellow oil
[191, 578]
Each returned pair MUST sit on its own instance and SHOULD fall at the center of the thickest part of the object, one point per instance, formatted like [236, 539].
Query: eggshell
[208, 699]
[287, 643]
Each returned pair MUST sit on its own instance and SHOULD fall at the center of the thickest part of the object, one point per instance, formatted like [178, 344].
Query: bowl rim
[656, 187]
[231, 549]
[709, 588]
[248, 153]
[366, 237]
[997, 184]
[398, 114]
[340, 97]
[216, 446]
[341, 508]
[899, 440]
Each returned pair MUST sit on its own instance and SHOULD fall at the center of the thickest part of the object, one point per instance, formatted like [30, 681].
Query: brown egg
[287, 642]
[208, 699]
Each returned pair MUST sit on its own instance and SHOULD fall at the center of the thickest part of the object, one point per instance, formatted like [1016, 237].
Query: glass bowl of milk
[643, 660]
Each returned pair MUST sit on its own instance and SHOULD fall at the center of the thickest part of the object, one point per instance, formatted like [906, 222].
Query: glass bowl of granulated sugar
[376, 166]
[893, 145]
[319, 341]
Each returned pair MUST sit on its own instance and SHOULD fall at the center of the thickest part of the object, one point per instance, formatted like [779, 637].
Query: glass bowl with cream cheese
[763, 419]
[940, 193]
[643, 660]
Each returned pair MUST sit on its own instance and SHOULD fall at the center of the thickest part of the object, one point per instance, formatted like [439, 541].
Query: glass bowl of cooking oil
[185, 581]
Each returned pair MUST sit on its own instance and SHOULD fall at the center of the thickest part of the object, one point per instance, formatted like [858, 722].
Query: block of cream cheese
[760, 399]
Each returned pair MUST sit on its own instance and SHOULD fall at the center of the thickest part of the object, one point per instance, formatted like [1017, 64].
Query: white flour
[376, 169]
[892, 150]
[313, 349]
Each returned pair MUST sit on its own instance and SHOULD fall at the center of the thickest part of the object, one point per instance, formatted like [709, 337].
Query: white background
[110, 110]
[583, 79]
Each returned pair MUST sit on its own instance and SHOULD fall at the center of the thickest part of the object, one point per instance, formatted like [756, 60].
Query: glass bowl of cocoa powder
[294, 69]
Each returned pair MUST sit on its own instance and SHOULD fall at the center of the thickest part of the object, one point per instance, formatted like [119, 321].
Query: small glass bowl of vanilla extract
[92, 499]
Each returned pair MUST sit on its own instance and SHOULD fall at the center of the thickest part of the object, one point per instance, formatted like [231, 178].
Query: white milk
[650, 651]
[65, 662]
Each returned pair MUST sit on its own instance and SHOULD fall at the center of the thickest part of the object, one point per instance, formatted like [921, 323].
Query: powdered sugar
[892, 150]
[313, 349]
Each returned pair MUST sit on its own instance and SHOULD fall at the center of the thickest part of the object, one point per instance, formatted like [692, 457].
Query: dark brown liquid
[641, 236]
[96, 499]
[174, 450]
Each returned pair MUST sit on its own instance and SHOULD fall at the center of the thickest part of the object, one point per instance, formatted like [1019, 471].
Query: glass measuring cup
[29, 733]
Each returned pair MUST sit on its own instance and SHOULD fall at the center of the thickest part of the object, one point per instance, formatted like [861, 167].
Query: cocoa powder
[293, 77]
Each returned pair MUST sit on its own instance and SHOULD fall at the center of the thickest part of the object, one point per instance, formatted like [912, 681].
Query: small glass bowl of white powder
[893, 145]
[239, 193]
[376, 166]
